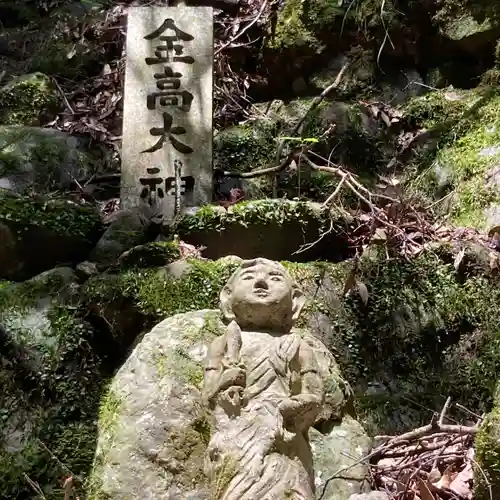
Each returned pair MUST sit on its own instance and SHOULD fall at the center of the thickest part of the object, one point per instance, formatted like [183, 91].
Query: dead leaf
[363, 291]
[446, 479]
[494, 231]
[458, 259]
[434, 475]
[71, 53]
[423, 489]
[462, 483]
[380, 235]
[385, 119]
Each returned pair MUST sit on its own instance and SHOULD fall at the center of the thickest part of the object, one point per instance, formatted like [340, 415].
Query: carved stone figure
[265, 385]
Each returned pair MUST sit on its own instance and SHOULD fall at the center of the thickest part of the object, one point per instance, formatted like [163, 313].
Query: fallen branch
[244, 30]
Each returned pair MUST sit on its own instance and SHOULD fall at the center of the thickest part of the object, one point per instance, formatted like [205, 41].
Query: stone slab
[168, 85]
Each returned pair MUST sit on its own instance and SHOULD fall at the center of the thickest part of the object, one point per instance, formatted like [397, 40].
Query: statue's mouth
[261, 292]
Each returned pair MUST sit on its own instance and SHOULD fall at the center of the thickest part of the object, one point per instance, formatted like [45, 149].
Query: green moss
[59, 216]
[18, 297]
[460, 19]
[269, 211]
[291, 31]
[488, 456]
[434, 108]
[41, 159]
[24, 100]
[157, 295]
[466, 126]
[109, 410]
[244, 147]
[179, 364]
[62, 414]
[153, 254]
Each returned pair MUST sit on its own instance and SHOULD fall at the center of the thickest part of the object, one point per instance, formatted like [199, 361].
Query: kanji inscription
[168, 107]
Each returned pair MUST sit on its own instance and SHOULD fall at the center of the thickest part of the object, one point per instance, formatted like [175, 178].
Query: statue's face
[262, 296]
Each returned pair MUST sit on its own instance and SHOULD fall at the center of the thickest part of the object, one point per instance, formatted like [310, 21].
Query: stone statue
[265, 386]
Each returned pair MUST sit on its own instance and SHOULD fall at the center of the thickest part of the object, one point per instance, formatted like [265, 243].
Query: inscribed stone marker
[167, 117]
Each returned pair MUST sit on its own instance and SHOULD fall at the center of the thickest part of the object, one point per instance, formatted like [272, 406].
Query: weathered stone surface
[153, 429]
[127, 229]
[188, 124]
[40, 159]
[26, 321]
[346, 443]
[268, 386]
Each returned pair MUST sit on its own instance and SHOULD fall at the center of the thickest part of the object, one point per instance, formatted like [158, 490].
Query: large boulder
[154, 429]
[275, 229]
[487, 451]
[471, 25]
[126, 229]
[41, 233]
[41, 160]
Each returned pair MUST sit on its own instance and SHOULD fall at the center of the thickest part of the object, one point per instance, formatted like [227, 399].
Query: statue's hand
[296, 410]
[235, 376]
[231, 400]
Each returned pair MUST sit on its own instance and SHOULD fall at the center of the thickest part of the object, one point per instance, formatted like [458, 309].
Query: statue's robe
[253, 455]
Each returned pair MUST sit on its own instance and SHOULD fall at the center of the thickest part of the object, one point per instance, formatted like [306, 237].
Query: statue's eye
[276, 278]
[247, 277]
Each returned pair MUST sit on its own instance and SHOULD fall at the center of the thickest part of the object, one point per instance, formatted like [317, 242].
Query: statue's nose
[260, 283]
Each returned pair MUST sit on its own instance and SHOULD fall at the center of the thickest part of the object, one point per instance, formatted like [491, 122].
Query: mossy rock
[359, 78]
[41, 160]
[275, 229]
[166, 375]
[127, 229]
[50, 403]
[155, 414]
[354, 137]
[153, 254]
[61, 232]
[472, 23]
[465, 129]
[27, 100]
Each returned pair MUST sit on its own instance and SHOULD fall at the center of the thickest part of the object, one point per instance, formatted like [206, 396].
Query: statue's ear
[225, 303]
[299, 300]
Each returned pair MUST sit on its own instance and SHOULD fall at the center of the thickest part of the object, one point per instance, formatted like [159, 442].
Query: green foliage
[467, 127]
[24, 100]
[18, 297]
[488, 456]
[56, 215]
[434, 108]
